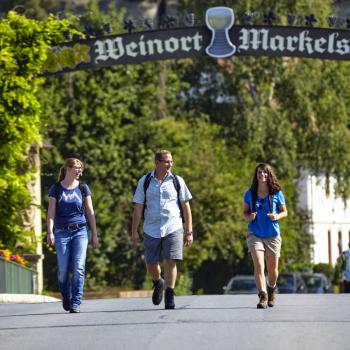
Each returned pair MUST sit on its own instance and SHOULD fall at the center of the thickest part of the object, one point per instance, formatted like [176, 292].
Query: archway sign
[219, 38]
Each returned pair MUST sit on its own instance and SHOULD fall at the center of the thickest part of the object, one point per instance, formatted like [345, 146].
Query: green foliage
[221, 118]
[338, 270]
[319, 116]
[96, 125]
[210, 170]
[107, 118]
[291, 113]
[326, 269]
[23, 47]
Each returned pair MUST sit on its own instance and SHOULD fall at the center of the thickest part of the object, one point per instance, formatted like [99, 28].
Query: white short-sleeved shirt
[162, 212]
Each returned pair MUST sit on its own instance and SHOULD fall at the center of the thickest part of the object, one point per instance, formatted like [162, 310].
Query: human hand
[135, 239]
[188, 239]
[273, 217]
[50, 238]
[95, 241]
[252, 216]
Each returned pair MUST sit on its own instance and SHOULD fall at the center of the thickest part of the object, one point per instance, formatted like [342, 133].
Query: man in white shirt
[163, 198]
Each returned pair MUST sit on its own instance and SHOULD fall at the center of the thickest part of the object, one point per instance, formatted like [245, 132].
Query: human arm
[247, 214]
[186, 209]
[92, 221]
[136, 219]
[51, 211]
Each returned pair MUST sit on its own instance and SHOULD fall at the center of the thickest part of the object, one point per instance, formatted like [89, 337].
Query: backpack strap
[177, 186]
[271, 202]
[83, 190]
[146, 184]
[254, 198]
[58, 192]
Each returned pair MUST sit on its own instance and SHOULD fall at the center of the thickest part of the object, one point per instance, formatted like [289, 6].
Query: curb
[26, 298]
[107, 294]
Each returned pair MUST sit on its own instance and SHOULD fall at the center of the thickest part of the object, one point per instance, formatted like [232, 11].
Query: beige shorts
[272, 246]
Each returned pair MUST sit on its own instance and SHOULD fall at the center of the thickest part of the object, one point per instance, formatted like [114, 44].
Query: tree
[112, 117]
[287, 112]
[23, 48]
[221, 118]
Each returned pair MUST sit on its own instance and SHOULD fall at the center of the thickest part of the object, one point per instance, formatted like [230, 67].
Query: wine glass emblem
[219, 20]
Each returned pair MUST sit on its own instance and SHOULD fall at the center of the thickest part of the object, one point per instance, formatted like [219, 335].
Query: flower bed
[6, 254]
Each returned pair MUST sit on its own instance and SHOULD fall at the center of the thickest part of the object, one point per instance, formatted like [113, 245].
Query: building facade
[329, 217]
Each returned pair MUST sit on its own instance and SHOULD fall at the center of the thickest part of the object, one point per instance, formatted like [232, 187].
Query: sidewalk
[109, 293]
[25, 298]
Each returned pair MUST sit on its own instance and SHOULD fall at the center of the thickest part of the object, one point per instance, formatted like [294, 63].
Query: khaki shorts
[272, 246]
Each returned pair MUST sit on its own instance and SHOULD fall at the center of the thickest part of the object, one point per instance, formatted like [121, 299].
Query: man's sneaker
[271, 296]
[263, 300]
[157, 295]
[169, 299]
[66, 303]
[75, 309]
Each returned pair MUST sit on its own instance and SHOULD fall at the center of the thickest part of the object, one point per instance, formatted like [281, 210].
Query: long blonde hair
[69, 163]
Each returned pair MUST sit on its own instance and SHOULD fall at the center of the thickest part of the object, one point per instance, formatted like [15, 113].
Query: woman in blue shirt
[67, 230]
[263, 206]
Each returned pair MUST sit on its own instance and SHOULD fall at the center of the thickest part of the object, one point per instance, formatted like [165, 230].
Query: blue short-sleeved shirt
[162, 212]
[262, 226]
[69, 206]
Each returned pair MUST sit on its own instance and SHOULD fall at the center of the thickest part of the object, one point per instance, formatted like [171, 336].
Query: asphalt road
[304, 321]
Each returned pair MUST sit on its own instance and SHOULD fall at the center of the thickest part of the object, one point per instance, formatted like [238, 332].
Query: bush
[324, 268]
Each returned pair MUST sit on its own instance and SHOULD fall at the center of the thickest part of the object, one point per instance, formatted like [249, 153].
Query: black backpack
[177, 186]
[59, 189]
[254, 198]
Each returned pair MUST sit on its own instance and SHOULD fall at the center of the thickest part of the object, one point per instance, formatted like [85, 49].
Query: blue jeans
[71, 249]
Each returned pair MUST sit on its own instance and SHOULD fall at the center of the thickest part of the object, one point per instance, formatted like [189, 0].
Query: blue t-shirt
[262, 226]
[69, 206]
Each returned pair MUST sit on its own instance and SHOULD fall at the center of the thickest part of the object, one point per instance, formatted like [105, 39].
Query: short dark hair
[159, 154]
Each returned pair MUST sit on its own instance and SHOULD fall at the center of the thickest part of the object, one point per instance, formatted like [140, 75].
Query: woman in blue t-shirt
[263, 206]
[67, 230]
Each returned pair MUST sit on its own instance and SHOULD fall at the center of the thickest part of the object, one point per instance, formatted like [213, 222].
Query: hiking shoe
[263, 300]
[271, 296]
[169, 299]
[66, 303]
[75, 309]
[157, 295]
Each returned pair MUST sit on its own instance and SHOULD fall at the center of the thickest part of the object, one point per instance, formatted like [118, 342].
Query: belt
[72, 227]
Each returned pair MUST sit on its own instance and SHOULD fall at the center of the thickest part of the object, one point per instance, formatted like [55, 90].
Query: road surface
[304, 321]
